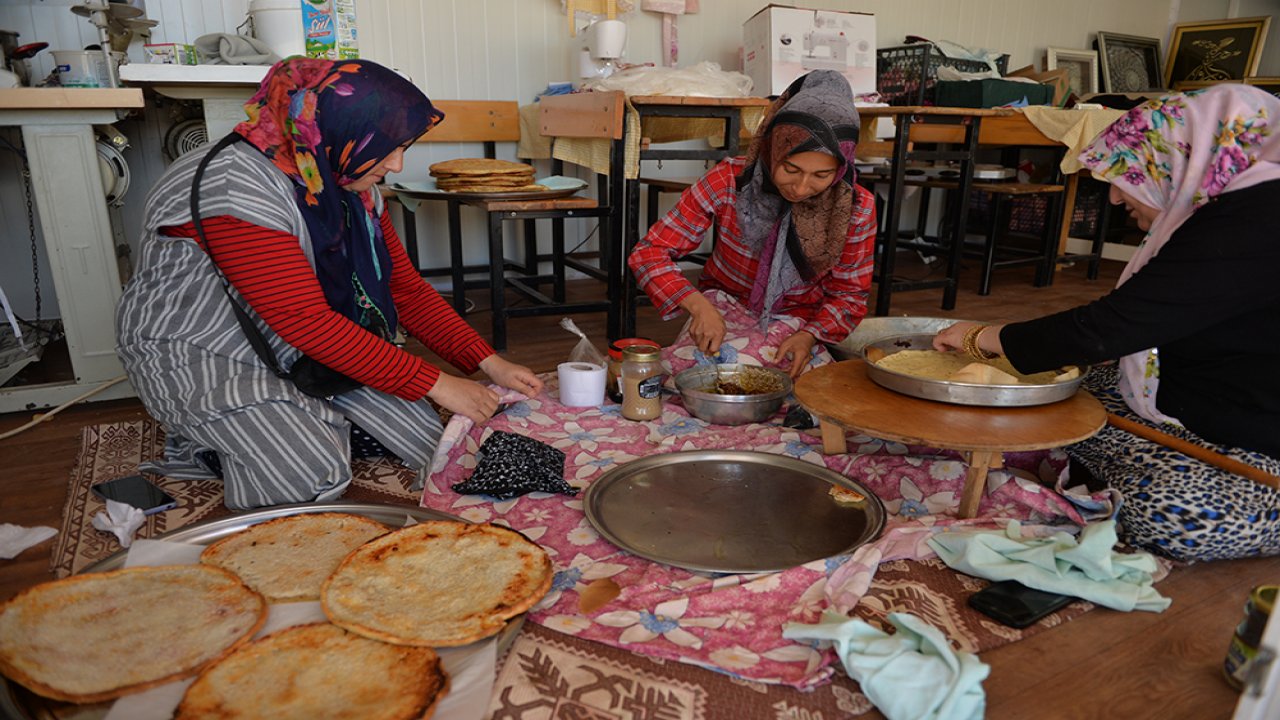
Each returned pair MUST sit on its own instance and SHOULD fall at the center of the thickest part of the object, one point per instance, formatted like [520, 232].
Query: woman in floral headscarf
[1194, 322]
[794, 240]
[258, 328]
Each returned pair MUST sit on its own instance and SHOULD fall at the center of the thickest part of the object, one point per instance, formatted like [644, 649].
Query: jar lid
[616, 347]
[641, 353]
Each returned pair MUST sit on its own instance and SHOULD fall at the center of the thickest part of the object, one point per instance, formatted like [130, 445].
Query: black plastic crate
[1091, 196]
[906, 75]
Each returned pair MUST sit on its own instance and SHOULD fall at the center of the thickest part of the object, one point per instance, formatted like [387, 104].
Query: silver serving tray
[875, 329]
[18, 703]
[728, 511]
[959, 393]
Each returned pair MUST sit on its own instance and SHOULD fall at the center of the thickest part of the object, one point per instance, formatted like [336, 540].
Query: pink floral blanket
[731, 623]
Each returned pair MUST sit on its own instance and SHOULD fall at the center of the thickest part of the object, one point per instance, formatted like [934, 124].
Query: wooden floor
[1103, 665]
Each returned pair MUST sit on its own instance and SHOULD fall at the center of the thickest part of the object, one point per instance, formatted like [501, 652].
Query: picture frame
[1081, 67]
[1215, 50]
[1129, 63]
[1270, 84]
[1184, 85]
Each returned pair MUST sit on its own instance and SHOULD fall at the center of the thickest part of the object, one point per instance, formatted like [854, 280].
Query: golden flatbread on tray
[935, 365]
[98, 636]
[440, 583]
[446, 183]
[496, 188]
[288, 559]
[309, 672]
[478, 166]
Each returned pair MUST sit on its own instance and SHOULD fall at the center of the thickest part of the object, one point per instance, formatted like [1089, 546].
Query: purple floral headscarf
[1175, 154]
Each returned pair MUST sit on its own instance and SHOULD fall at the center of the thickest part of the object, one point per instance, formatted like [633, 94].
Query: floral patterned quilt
[731, 623]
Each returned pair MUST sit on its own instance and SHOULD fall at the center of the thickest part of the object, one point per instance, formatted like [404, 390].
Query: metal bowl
[959, 393]
[697, 385]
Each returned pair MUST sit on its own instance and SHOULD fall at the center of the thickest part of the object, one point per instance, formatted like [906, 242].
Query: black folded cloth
[510, 465]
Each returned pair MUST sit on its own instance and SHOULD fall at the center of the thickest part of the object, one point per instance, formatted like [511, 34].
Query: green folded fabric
[1086, 568]
[910, 675]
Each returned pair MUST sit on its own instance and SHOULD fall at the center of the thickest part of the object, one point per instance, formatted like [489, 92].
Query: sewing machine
[836, 44]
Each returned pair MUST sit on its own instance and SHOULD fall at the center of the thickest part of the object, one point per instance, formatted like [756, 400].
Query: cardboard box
[170, 54]
[781, 43]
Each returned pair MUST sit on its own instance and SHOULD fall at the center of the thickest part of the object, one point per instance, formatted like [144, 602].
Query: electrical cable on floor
[43, 417]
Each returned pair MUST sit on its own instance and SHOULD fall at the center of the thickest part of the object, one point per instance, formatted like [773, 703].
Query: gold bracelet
[970, 344]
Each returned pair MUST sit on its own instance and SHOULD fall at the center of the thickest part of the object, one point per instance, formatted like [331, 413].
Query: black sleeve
[1222, 263]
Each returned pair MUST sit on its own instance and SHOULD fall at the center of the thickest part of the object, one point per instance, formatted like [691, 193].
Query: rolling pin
[1189, 449]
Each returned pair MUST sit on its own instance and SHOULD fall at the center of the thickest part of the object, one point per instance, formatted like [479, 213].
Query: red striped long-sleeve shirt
[269, 269]
[831, 306]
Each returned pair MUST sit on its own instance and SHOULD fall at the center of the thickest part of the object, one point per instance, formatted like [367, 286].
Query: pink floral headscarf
[1176, 154]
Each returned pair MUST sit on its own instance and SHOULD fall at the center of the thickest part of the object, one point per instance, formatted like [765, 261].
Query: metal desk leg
[972, 126]
[456, 261]
[888, 241]
[621, 319]
[497, 283]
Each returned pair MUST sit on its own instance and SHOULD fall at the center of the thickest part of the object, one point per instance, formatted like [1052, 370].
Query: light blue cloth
[910, 675]
[1087, 568]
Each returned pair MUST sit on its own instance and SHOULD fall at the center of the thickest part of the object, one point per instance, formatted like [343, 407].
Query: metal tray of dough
[18, 703]
[874, 329]
[729, 511]
[959, 393]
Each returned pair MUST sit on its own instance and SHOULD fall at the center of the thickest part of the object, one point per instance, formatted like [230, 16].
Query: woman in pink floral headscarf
[1194, 322]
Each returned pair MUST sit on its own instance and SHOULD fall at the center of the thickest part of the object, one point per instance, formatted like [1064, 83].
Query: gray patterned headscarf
[814, 114]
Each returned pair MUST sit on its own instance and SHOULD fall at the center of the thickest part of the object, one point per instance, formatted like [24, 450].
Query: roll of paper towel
[581, 384]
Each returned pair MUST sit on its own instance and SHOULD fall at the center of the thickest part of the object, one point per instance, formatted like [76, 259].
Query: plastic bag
[705, 79]
[584, 351]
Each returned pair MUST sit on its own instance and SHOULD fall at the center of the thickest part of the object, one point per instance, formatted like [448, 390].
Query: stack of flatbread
[482, 175]
[389, 596]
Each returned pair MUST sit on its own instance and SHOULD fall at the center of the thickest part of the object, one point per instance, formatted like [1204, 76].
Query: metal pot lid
[729, 511]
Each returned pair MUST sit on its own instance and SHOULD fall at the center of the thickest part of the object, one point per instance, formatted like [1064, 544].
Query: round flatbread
[439, 583]
[288, 559]
[496, 189]
[478, 166]
[98, 636]
[447, 183]
[317, 671]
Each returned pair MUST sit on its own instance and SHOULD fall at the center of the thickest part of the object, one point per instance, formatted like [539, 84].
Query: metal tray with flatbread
[18, 703]
[557, 186]
[959, 393]
[730, 511]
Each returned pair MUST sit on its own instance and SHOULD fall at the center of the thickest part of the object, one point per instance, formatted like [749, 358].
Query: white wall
[511, 50]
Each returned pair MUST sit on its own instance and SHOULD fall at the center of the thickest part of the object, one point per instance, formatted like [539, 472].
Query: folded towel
[910, 675]
[232, 49]
[1087, 568]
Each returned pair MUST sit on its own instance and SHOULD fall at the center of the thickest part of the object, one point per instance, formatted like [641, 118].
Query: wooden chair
[489, 123]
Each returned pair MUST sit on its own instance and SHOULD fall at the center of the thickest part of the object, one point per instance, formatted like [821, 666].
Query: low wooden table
[844, 398]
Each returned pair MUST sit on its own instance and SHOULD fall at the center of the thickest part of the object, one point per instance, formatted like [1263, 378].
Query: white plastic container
[278, 23]
[85, 68]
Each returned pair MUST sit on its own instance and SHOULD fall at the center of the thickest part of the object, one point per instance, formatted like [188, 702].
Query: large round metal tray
[18, 703]
[959, 393]
[729, 511]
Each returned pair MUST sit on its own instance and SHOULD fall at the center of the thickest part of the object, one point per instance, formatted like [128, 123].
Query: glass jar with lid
[613, 375]
[642, 376]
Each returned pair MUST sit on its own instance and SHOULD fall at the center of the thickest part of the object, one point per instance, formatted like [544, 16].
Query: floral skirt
[744, 340]
[1175, 505]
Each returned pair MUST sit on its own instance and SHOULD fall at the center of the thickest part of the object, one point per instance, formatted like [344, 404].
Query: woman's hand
[952, 338]
[798, 347]
[511, 376]
[706, 324]
[464, 397]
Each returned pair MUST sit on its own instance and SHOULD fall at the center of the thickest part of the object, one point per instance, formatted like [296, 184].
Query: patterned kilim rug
[547, 674]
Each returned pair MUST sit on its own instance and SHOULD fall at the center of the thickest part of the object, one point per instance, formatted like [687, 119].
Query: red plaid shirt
[831, 306]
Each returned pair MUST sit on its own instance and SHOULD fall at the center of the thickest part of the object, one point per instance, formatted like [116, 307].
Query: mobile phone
[137, 491]
[1016, 605]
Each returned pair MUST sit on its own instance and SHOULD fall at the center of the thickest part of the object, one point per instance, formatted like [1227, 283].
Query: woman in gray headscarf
[794, 240]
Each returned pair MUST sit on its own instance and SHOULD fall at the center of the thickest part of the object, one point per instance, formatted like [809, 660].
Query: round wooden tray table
[844, 398]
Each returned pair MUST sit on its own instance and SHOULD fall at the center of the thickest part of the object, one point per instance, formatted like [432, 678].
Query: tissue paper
[15, 538]
[120, 519]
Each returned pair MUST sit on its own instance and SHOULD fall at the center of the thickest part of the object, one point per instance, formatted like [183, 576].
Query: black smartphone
[137, 491]
[1016, 605]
